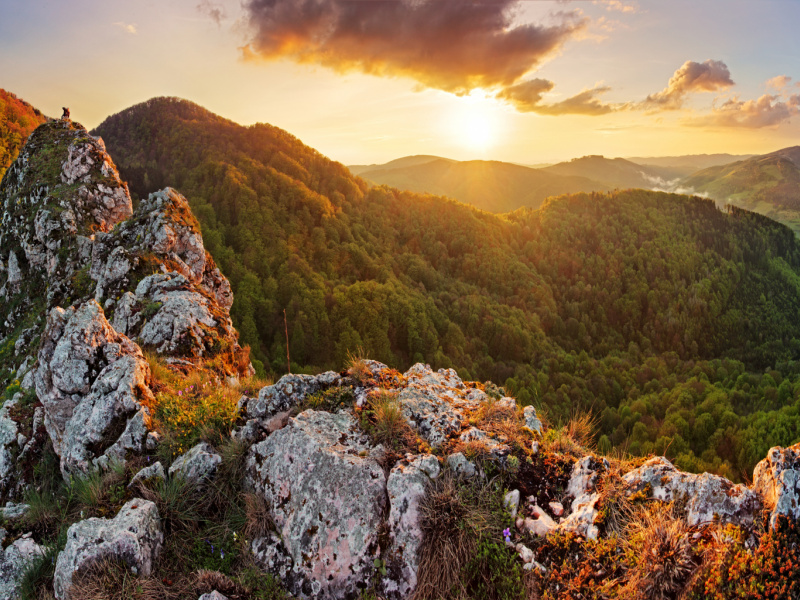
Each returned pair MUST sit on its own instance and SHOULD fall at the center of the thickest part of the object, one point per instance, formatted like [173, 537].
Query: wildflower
[180, 393]
[222, 554]
[507, 534]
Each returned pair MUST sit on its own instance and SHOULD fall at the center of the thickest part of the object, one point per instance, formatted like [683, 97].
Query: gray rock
[154, 471]
[461, 466]
[215, 595]
[198, 464]
[708, 498]
[406, 486]
[532, 421]
[14, 560]
[581, 487]
[327, 496]
[434, 404]
[270, 554]
[511, 503]
[92, 382]
[12, 511]
[777, 480]
[134, 536]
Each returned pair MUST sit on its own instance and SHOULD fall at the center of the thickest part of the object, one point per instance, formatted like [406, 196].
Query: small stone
[215, 595]
[154, 471]
[525, 553]
[198, 464]
[511, 502]
[460, 465]
[557, 508]
[532, 422]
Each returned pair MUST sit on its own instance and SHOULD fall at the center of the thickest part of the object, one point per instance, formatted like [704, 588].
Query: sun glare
[474, 123]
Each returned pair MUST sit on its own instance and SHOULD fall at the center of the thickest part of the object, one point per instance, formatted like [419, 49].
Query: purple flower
[507, 534]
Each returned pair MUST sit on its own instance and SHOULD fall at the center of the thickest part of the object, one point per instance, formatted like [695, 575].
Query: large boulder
[162, 231]
[707, 498]
[92, 382]
[777, 480]
[406, 485]
[275, 401]
[167, 312]
[328, 496]
[435, 403]
[134, 537]
[14, 560]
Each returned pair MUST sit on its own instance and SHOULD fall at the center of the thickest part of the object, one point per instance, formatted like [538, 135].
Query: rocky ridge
[88, 282]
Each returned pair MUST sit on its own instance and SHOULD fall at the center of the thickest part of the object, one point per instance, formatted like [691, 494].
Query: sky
[368, 81]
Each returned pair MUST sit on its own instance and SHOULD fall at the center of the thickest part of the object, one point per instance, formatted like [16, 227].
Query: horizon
[514, 81]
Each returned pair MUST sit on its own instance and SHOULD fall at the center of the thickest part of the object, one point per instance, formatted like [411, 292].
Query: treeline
[657, 312]
[17, 120]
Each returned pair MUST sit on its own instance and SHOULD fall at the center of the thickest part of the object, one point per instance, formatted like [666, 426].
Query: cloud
[617, 5]
[452, 45]
[527, 97]
[129, 27]
[214, 11]
[767, 111]
[708, 76]
[778, 83]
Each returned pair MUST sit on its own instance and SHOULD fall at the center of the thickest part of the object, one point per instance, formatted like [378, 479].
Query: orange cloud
[452, 45]
[708, 76]
[767, 111]
[527, 97]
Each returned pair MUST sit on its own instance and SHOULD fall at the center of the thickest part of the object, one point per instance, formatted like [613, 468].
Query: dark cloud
[767, 111]
[453, 45]
[708, 76]
[214, 11]
[527, 97]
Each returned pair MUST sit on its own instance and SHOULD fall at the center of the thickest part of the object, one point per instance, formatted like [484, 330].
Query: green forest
[673, 323]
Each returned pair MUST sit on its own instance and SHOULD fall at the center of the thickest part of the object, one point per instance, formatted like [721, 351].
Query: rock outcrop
[327, 496]
[707, 498]
[777, 480]
[83, 278]
[92, 382]
[134, 537]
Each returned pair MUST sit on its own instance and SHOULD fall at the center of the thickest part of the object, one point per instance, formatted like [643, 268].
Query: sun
[477, 133]
[474, 123]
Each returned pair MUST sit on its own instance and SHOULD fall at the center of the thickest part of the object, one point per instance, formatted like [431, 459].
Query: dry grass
[389, 425]
[356, 366]
[113, 580]
[454, 515]
[658, 543]
[576, 438]
[258, 519]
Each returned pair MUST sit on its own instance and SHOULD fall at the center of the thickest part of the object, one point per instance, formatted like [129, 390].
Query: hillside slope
[768, 184]
[17, 120]
[593, 302]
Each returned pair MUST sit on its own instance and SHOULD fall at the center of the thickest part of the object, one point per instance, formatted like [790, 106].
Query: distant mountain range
[769, 184]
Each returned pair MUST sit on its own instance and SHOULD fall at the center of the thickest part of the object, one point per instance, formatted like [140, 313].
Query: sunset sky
[367, 81]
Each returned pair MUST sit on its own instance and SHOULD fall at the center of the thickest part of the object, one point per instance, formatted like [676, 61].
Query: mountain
[398, 163]
[617, 172]
[690, 162]
[17, 120]
[489, 185]
[139, 456]
[649, 309]
[768, 184]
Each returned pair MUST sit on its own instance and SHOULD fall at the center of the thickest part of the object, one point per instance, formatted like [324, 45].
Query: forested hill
[657, 312]
[17, 120]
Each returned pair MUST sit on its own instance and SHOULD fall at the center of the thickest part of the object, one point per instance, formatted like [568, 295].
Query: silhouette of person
[66, 113]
